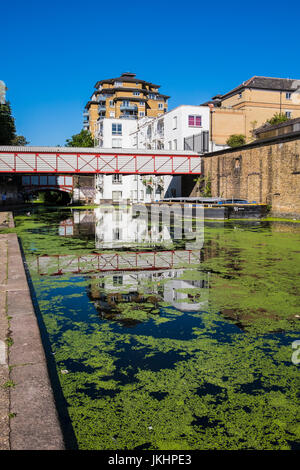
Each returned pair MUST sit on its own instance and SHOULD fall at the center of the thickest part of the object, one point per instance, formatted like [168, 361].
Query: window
[136, 93]
[116, 129]
[116, 195]
[117, 280]
[117, 178]
[118, 83]
[288, 95]
[288, 114]
[175, 122]
[170, 145]
[240, 95]
[175, 144]
[141, 114]
[116, 143]
[151, 96]
[142, 103]
[195, 121]
[111, 104]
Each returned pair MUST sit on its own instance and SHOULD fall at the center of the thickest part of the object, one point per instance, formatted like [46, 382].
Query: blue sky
[52, 53]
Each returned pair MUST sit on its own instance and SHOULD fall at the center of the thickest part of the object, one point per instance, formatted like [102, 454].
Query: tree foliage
[278, 118]
[83, 139]
[8, 134]
[7, 125]
[235, 140]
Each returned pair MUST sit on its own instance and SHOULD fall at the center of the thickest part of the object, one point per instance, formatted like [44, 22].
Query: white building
[172, 130]
[184, 128]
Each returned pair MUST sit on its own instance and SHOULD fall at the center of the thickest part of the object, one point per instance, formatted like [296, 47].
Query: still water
[165, 343]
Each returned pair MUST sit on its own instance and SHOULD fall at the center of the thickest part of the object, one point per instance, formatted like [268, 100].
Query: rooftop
[263, 83]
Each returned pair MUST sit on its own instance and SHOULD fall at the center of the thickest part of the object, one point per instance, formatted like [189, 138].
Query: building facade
[251, 104]
[124, 97]
[173, 130]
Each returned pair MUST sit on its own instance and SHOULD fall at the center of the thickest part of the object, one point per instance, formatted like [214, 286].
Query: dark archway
[50, 196]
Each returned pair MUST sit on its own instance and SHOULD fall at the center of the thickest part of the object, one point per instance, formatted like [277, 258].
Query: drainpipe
[211, 106]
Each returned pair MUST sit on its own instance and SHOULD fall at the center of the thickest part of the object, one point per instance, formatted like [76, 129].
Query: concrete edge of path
[35, 424]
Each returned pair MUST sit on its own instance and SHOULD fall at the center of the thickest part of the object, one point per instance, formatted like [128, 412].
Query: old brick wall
[266, 172]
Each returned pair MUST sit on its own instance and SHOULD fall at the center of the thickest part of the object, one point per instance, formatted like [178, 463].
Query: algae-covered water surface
[161, 343]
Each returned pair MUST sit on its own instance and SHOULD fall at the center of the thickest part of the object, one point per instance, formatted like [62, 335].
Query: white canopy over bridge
[97, 160]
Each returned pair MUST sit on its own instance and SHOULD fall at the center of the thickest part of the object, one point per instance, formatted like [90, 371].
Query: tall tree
[7, 125]
[83, 139]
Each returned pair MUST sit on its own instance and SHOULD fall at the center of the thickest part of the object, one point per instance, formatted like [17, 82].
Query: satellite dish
[2, 92]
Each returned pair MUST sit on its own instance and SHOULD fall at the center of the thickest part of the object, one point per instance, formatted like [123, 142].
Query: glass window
[116, 143]
[116, 195]
[117, 178]
[175, 122]
[160, 105]
[136, 93]
[111, 104]
[195, 121]
[288, 95]
[288, 114]
[116, 129]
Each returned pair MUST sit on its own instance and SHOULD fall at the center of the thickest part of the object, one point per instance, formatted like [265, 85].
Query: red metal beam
[28, 161]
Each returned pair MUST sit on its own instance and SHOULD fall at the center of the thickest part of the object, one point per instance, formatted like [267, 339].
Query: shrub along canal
[160, 345]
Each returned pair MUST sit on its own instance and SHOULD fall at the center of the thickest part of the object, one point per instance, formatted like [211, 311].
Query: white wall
[106, 137]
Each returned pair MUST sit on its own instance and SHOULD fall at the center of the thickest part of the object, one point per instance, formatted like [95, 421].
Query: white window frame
[118, 128]
[116, 178]
[116, 143]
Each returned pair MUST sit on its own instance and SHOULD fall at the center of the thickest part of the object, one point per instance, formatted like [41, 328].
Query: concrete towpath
[28, 416]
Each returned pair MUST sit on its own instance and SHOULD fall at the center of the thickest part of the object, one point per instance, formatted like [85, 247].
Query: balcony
[101, 107]
[128, 107]
[128, 116]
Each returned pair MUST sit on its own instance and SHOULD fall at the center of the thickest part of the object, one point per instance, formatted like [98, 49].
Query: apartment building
[124, 97]
[251, 104]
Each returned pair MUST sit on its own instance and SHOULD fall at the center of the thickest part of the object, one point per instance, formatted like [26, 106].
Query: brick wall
[267, 172]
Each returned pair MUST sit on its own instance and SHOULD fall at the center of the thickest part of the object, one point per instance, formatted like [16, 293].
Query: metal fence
[197, 142]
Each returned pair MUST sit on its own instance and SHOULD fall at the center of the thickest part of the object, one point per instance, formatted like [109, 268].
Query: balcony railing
[128, 107]
[101, 108]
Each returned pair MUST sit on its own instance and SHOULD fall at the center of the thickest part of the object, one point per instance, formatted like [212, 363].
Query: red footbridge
[55, 265]
[71, 160]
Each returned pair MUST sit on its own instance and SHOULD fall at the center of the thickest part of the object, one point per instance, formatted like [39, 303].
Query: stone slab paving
[4, 371]
[28, 416]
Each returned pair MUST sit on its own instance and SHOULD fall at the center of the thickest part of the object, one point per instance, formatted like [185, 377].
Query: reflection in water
[169, 342]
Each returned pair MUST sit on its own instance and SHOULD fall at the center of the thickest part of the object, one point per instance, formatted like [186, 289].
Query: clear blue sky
[52, 53]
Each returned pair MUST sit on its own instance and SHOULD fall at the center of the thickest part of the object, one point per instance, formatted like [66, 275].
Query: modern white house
[185, 128]
[172, 130]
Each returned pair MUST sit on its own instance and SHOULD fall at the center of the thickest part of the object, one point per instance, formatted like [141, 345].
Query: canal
[166, 343]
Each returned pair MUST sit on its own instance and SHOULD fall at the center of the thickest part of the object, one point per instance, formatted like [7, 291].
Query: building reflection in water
[158, 256]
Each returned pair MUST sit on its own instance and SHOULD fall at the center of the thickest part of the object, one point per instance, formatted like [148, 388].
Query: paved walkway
[4, 372]
[28, 417]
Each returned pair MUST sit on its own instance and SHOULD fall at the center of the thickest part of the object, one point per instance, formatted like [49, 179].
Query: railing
[129, 107]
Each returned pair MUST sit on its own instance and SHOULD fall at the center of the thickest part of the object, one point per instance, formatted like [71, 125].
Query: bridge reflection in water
[145, 260]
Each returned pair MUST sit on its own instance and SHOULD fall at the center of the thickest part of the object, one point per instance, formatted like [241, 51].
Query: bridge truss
[55, 160]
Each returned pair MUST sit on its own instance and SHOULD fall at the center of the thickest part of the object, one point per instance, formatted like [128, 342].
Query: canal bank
[28, 416]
